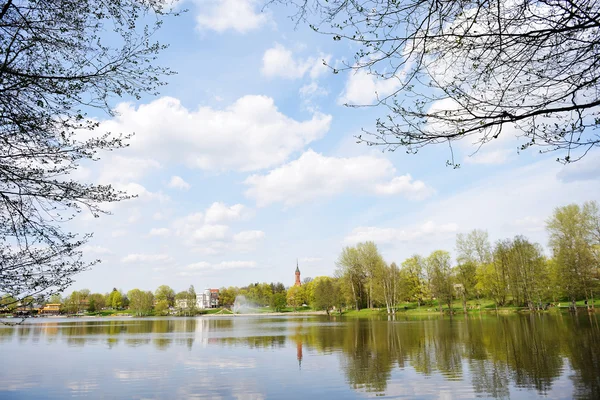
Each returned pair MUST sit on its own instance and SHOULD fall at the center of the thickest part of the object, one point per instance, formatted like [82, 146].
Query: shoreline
[363, 313]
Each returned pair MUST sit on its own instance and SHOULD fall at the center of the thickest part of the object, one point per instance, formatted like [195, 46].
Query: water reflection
[499, 357]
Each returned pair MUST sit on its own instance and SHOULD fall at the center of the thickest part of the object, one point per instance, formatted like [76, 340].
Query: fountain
[242, 306]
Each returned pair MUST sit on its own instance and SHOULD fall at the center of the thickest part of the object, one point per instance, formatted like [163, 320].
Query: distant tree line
[509, 272]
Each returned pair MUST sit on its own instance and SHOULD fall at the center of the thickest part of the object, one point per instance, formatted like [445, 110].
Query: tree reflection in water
[488, 354]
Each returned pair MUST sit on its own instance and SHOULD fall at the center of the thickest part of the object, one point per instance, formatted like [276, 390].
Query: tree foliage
[165, 293]
[473, 70]
[574, 241]
[440, 275]
[61, 60]
[140, 302]
[324, 297]
[278, 301]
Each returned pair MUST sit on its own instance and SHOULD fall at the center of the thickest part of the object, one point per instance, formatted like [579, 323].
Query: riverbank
[473, 307]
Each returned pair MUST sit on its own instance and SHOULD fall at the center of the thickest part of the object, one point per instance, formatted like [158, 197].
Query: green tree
[96, 302]
[8, 303]
[278, 287]
[473, 251]
[191, 300]
[324, 294]
[573, 240]
[55, 299]
[183, 302]
[372, 264]
[73, 303]
[388, 278]
[227, 296]
[161, 307]
[440, 271]
[164, 292]
[278, 301]
[309, 286]
[473, 247]
[491, 283]
[412, 280]
[528, 266]
[352, 276]
[140, 302]
[114, 300]
[295, 297]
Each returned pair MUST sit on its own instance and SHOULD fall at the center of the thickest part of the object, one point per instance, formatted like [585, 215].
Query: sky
[246, 164]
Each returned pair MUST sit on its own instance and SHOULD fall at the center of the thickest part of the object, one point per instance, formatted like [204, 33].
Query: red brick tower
[297, 283]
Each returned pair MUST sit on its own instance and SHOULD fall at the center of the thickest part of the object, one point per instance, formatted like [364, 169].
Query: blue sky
[247, 162]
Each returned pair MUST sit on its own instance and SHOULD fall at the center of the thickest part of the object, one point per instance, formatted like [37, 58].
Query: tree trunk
[354, 295]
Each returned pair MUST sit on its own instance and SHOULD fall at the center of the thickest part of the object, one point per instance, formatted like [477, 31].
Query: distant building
[214, 298]
[181, 304]
[50, 309]
[208, 299]
[297, 283]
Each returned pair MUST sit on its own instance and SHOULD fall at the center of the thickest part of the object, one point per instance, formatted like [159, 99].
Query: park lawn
[108, 313]
[216, 311]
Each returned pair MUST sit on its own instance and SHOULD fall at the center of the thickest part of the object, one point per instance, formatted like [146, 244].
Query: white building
[209, 298]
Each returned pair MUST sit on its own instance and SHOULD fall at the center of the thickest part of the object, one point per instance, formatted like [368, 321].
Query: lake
[300, 357]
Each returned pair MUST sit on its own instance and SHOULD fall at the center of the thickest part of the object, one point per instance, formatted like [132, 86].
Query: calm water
[557, 356]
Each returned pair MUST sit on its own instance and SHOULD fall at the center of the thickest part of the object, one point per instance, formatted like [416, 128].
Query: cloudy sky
[246, 162]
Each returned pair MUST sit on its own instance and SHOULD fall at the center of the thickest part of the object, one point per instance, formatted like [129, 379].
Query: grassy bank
[474, 306]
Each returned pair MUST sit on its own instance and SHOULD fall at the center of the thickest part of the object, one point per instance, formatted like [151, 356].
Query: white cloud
[159, 232]
[363, 88]
[121, 169]
[210, 232]
[248, 236]
[177, 182]
[141, 193]
[134, 216]
[486, 156]
[89, 249]
[313, 175]
[310, 259]
[118, 233]
[309, 93]
[528, 224]
[312, 90]
[207, 232]
[235, 264]
[145, 258]
[583, 170]
[250, 134]
[395, 235]
[199, 267]
[415, 190]
[219, 212]
[238, 15]
[280, 62]
[509, 202]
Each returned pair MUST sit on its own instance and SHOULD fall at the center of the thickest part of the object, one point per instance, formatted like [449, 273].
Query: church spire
[297, 283]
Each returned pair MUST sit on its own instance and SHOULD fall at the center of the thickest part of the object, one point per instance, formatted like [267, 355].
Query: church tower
[297, 283]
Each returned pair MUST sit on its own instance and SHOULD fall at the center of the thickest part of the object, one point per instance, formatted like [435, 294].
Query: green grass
[365, 312]
[473, 306]
[216, 311]
[108, 313]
